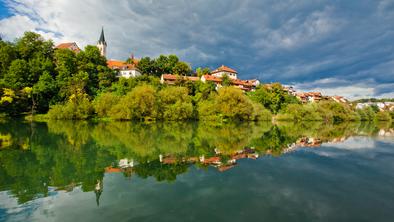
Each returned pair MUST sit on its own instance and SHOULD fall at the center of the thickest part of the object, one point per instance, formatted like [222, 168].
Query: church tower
[102, 44]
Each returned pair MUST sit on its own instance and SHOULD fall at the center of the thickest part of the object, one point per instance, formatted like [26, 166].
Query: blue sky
[337, 47]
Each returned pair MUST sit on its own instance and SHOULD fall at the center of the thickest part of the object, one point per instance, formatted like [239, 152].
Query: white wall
[129, 73]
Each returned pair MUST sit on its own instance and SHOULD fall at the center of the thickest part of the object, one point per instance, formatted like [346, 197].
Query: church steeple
[102, 44]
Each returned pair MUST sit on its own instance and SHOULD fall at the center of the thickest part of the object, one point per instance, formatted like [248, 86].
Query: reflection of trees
[144, 141]
[162, 172]
[227, 138]
[51, 160]
[67, 154]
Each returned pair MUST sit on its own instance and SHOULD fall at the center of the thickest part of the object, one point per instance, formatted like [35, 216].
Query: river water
[122, 171]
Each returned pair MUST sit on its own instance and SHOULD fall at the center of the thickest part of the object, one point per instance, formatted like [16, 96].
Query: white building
[224, 70]
[124, 69]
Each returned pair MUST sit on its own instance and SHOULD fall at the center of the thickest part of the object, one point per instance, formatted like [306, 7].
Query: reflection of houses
[386, 133]
[215, 77]
[303, 142]
[216, 160]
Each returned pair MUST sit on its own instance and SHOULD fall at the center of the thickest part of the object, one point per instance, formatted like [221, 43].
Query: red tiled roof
[175, 77]
[212, 78]
[69, 45]
[224, 68]
[116, 64]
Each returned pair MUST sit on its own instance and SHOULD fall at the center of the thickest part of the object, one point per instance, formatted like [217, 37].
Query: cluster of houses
[381, 105]
[129, 70]
[126, 165]
[311, 97]
[216, 77]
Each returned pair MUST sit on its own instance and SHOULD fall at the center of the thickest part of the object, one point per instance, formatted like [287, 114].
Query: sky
[336, 47]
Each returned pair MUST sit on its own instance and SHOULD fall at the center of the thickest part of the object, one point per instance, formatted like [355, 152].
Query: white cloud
[366, 88]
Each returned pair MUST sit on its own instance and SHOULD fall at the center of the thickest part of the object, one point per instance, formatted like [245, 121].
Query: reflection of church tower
[102, 44]
[98, 190]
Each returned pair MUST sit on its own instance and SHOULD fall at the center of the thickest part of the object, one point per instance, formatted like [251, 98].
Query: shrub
[229, 103]
[383, 116]
[335, 112]
[366, 114]
[261, 113]
[298, 112]
[138, 104]
[175, 104]
[104, 102]
[77, 107]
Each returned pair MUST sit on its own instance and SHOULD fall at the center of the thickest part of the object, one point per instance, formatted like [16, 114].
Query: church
[126, 69]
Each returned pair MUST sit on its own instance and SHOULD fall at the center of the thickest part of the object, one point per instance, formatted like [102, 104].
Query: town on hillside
[129, 69]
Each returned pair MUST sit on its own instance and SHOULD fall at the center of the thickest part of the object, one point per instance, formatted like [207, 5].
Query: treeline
[35, 78]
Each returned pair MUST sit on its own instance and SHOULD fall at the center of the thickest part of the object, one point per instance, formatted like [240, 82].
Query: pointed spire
[102, 38]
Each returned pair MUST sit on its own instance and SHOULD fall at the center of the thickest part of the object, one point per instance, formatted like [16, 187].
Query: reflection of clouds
[353, 143]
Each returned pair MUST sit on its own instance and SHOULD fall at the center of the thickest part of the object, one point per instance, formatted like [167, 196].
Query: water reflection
[37, 157]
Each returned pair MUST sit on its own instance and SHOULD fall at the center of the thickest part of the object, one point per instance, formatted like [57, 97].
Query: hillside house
[69, 45]
[126, 70]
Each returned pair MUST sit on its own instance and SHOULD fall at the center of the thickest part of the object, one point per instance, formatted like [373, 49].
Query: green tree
[202, 71]
[226, 81]
[17, 75]
[175, 104]
[43, 92]
[182, 69]
[7, 55]
[139, 104]
[33, 45]
[146, 66]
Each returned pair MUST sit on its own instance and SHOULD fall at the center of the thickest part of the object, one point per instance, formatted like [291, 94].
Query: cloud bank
[305, 43]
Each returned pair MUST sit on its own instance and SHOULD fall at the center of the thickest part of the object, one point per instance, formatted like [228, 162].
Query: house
[339, 99]
[216, 77]
[69, 45]
[224, 70]
[126, 70]
[381, 105]
[309, 96]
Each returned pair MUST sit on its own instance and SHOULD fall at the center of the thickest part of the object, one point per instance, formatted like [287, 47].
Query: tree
[43, 92]
[202, 71]
[273, 97]
[91, 62]
[175, 104]
[226, 81]
[181, 68]
[230, 103]
[139, 104]
[146, 66]
[33, 45]
[17, 75]
[7, 55]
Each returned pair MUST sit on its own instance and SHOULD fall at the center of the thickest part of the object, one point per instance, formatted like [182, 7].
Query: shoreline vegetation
[39, 81]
